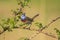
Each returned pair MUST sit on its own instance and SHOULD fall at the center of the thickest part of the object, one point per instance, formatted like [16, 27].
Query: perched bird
[28, 20]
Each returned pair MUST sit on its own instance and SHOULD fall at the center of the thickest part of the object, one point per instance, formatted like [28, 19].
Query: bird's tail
[35, 16]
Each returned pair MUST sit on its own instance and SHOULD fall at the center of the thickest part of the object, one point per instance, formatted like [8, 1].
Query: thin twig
[49, 35]
[46, 26]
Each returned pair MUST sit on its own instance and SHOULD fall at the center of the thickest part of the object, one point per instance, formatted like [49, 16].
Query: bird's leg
[29, 26]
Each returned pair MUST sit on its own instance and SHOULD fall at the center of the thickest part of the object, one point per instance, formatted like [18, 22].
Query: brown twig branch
[49, 35]
[46, 26]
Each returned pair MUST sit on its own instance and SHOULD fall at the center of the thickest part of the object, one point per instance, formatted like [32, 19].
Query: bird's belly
[23, 20]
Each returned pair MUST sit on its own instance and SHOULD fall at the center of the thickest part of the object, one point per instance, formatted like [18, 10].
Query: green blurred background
[48, 10]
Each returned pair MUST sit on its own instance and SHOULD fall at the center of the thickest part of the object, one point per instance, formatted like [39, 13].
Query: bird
[28, 20]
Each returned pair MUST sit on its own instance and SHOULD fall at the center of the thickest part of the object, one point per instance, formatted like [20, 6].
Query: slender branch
[49, 35]
[50, 23]
[46, 26]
